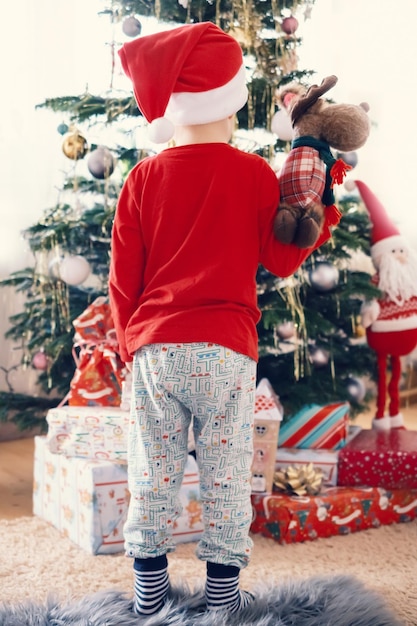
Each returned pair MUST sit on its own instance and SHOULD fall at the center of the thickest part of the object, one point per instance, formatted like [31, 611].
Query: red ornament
[40, 360]
[289, 25]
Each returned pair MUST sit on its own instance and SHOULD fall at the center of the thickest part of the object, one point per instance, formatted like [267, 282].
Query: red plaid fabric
[302, 177]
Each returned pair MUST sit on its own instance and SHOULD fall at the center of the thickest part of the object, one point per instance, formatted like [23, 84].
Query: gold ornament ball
[360, 331]
[74, 146]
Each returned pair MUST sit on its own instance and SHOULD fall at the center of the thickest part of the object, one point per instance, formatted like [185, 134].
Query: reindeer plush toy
[310, 170]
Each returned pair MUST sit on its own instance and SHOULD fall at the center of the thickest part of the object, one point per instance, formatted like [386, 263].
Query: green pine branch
[25, 411]
[87, 106]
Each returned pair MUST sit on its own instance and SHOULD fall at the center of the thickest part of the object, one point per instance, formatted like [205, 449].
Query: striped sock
[222, 588]
[151, 584]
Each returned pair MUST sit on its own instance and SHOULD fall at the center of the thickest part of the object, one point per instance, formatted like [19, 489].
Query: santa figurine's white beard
[398, 280]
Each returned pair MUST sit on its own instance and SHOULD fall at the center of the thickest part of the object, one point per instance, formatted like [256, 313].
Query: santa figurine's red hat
[193, 74]
[385, 235]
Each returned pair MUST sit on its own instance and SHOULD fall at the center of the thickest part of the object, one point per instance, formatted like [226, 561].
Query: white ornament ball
[350, 185]
[74, 270]
[281, 125]
[324, 277]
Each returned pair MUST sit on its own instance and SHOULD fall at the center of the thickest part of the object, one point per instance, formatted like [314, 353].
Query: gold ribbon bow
[305, 480]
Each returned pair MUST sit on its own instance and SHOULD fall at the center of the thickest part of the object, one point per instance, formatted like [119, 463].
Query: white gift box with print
[96, 433]
[88, 500]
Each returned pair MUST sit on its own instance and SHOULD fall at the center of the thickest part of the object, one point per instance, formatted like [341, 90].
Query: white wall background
[52, 48]
[48, 48]
[371, 46]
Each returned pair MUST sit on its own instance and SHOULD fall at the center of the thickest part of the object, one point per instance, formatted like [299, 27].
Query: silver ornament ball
[286, 330]
[324, 277]
[355, 388]
[131, 26]
[101, 163]
[319, 357]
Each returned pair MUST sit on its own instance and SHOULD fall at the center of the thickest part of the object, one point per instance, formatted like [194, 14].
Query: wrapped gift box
[377, 459]
[336, 511]
[96, 433]
[317, 426]
[99, 373]
[126, 397]
[326, 460]
[88, 500]
[268, 416]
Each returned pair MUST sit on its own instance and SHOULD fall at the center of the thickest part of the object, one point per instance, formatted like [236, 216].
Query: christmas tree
[311, 344]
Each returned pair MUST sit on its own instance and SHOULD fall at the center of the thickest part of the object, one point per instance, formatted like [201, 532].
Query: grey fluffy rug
[319, 601]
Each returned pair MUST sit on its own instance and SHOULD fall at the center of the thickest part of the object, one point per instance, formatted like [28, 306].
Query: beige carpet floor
[37, 560]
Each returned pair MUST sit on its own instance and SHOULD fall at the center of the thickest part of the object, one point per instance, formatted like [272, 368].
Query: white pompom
[161, 130]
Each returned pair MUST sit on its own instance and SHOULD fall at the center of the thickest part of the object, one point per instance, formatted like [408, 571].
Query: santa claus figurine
[391, 321]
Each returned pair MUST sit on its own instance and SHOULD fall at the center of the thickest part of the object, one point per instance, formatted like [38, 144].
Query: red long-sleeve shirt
[191, 227]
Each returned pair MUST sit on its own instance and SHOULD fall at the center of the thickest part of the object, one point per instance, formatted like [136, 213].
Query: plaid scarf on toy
[335, 168]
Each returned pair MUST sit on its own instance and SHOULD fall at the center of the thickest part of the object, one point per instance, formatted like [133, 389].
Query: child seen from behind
[192, 225]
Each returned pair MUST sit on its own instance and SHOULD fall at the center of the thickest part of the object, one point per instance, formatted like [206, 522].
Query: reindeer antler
[311, 96]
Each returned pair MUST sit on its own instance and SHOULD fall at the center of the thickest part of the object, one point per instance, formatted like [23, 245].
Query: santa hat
[385, 235]
[192, 74]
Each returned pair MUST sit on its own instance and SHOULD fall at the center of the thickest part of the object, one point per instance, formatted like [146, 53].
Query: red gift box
[380, 459]
[337, 511]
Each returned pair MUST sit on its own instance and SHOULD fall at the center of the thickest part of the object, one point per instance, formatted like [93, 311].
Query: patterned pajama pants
[214, 388]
